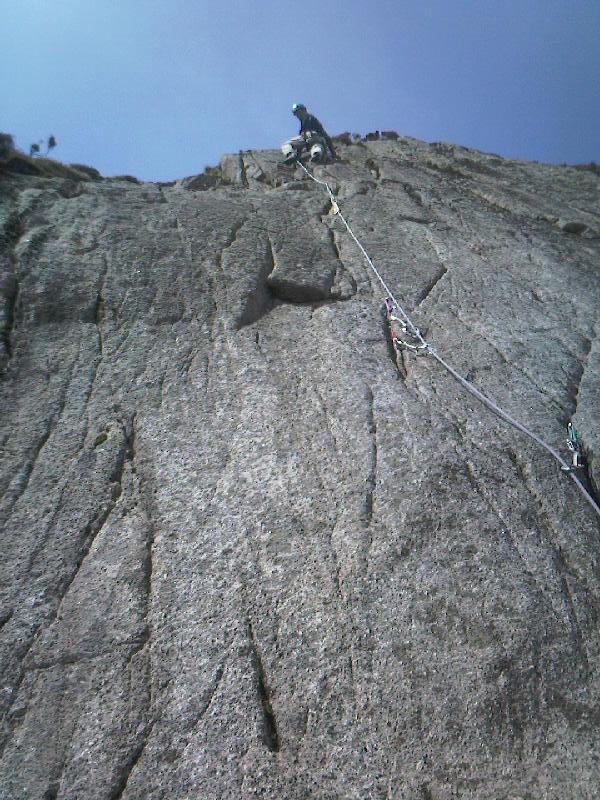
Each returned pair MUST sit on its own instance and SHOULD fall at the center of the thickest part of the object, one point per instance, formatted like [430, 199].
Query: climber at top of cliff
[312, 136]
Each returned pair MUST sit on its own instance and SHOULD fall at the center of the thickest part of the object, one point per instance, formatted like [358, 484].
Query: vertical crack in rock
[577, 635]
[88, 536]
[562, 569]
[337, 570]
[99, 313]
[212, 691]
[488, 498]
[570, 408]
[127, 454]
[371, 481]
[270, 732]
[399, 358]
[5, 617]
[235, 228]
[575, 379]
[29, 467]
[589, 482]
[261, 299]
[373, 167]
[147, 572]
[273, 258]
[51, 792]
[222, 282]
[147, 560]
[10, 286]
[334, 245]
[426, 792]
[323, 406]
[9, 314]
[342, 273]
[243, 175]
[185, 242]
[131, 763]
[91, 530]
[35, 453]
[582, 413]
[424, 293]
[414, 195]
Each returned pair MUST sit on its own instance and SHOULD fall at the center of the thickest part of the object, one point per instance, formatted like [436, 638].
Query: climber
[312, 136]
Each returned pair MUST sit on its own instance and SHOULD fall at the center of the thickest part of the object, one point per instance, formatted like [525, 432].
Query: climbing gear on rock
[402, 338]
[402, 317]
[574, 445]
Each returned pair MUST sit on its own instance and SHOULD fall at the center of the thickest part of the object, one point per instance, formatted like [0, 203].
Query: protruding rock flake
[248, 548]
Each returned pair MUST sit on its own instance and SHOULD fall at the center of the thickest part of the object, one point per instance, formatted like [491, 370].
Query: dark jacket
[311, 123]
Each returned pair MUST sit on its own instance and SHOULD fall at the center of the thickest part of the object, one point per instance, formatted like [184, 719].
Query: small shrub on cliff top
[15, 162]
[36, 147]
[7, 143]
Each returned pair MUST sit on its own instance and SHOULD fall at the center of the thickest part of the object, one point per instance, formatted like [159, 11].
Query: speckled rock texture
[242, 555]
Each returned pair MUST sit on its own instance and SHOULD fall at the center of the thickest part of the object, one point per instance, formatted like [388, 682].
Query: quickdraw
[574, 445]
[402, 337]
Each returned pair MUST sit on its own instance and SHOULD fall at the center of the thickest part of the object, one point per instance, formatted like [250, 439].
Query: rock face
[241, 554]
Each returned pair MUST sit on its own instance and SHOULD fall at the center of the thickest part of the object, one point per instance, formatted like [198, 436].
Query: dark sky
[161, 88]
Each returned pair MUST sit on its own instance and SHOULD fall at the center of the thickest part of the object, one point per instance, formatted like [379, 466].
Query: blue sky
[162, 88]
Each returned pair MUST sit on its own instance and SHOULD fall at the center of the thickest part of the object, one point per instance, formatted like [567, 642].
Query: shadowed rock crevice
[147, 503]
[9, 295]
[579, 639]
[574, 377]
[371, 480]
[261, 298]
[297, 284]
[270, 732]
[243, 176]
[427, 290]
[12, 232]
[99, 310]
[13, 490]
[344, 283]
[130, 764]
[373, 167]
[96, 524]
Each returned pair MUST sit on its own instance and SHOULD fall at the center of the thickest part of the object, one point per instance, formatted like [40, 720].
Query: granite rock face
[241, 555]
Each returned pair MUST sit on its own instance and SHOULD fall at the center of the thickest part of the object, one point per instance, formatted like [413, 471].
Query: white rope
[427, 348]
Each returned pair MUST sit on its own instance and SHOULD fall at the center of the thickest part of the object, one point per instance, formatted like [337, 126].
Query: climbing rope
[422, 346]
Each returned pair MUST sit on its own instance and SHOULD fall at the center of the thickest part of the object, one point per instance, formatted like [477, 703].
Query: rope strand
[473, 390]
